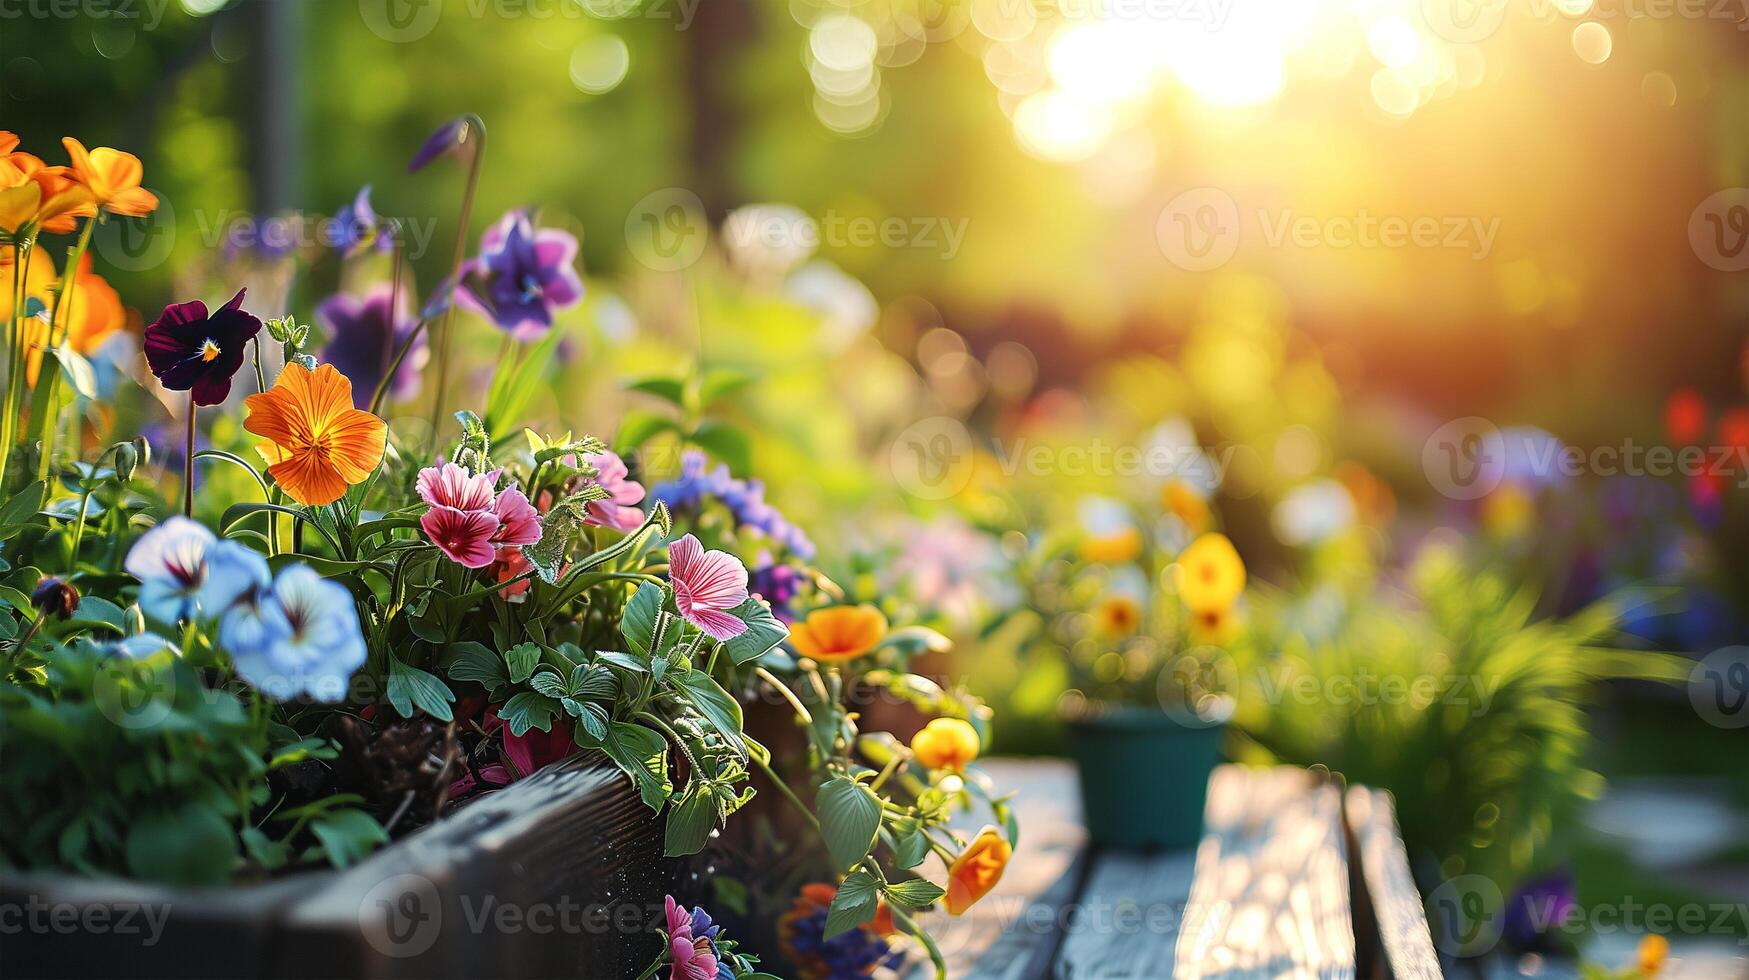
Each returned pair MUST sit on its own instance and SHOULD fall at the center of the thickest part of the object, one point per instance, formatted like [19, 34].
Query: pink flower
[518, 521]
[679, 920]
[464, 535]
[618, 510]
[693, 960]
[534, 749]
[706, 585]
[450, 485]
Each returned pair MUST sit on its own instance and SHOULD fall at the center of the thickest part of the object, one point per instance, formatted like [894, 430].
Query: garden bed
[558, 874]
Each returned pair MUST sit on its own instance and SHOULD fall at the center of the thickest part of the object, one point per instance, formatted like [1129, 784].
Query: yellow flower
[1213, 574]
[1653, 951]
[1181, 499]
[946, 743]
[113, 178]
[317, 443]
[838, 632]
[1114, 548]
[1117, 615]
[1508, 512]
[976, 870]
[1217, 627]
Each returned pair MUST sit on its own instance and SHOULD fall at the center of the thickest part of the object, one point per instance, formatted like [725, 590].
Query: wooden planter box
[560, 874]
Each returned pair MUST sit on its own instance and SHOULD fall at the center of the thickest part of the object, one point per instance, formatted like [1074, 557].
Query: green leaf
[690, 821]
[912, 847]
[193, 845]
[671, 390]
[593, 683]
[850, 816]
[726, 443]
[22, 507]
[411, 687]
[98, 609]
[521, 660]
[638, 426]
[914, 894]
[643, 755]
[511, 389]
[549, 682]
[764, 631]
[719, 382]
[857, 901]
[526, 710]
[347, 836]
[638, 623]
[722, 711]
[594, 720]
[471, 661]
[77, 370]
[913, 640]
[623, 660]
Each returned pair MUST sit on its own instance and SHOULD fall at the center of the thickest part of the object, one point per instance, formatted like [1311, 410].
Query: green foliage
[1469, 710]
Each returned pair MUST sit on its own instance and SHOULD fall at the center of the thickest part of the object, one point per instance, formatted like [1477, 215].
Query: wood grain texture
[556, 875]
[1397, 908]
[1271, 897]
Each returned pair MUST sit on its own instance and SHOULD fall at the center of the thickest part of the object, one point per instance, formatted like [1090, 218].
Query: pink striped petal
[450, 485]
[464, 535]
[716, 625]
[518, 521]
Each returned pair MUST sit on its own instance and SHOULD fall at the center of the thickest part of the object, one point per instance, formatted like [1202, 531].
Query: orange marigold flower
[113, 177]
[1213, 574]
[1183, 500]
[838, 632]
[1118, 615]
[976, 870]
[946, 743]
[316, 442]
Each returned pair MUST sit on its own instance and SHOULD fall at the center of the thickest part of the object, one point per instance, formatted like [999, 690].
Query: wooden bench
[1295, 878]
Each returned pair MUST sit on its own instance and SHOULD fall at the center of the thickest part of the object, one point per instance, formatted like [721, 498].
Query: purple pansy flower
[522, 276]
[363, 340]
[1539, 908]
[448, 138]
[190, 350]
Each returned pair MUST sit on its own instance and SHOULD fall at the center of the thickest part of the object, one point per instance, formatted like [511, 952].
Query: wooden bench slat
[1396, 904]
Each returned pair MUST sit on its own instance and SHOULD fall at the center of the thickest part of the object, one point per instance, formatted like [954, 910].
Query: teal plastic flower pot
[1144, 775]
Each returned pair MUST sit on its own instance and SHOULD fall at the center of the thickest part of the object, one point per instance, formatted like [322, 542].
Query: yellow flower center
[209, 351]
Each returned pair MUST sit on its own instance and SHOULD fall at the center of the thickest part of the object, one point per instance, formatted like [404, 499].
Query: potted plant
[1137, 611]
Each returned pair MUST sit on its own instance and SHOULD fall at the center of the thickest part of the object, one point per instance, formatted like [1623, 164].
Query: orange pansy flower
[838, 632]
[317, 444]
[976, 870]
[946, 743]
[113, 177]
[34, 195]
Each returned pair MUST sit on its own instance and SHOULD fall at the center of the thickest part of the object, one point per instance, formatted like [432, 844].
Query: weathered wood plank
[1390, 888]
[1271, 894]
[1128, 918]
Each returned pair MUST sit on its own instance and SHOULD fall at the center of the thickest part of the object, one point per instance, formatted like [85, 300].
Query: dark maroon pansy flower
[190, 350]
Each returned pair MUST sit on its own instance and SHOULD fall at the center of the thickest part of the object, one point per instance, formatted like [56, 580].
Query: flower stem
[188, 465]
[476, 130]
[788, 793]
[60, 330]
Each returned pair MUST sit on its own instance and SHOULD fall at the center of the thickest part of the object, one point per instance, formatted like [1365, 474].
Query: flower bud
[55, 597]
[127, 458]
